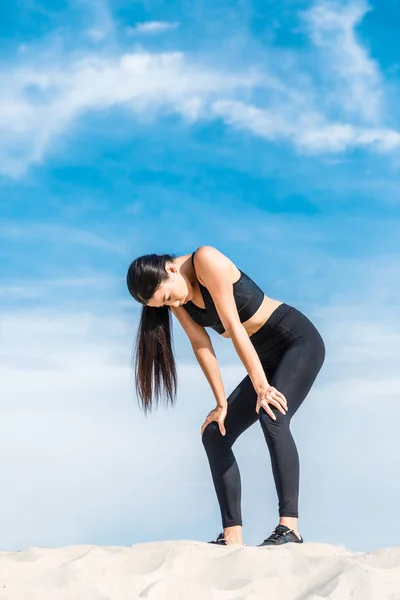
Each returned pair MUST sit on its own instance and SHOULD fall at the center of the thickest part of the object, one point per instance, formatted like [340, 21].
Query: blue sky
[271, 133]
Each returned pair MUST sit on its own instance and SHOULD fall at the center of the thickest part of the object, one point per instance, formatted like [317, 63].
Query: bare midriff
[260, 317]
[257, 320]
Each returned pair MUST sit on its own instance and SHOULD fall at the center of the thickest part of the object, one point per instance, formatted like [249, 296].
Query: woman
[280, 348]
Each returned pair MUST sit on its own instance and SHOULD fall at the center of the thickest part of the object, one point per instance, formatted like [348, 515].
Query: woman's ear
[171, 268]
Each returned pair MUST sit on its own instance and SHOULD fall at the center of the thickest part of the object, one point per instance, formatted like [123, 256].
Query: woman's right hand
[217, 414]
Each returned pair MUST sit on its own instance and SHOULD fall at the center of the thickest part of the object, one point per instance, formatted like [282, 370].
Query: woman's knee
[211, 435]
[317, 351]
[274, 428]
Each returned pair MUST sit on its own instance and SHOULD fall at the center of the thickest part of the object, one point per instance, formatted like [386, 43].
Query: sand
[191, 570]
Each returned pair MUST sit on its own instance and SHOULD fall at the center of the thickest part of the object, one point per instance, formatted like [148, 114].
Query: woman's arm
[208, 362]
[215, 270]
[249, 357]
[204, 352]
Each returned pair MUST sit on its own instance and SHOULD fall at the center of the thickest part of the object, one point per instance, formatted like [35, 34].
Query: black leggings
[292, 352]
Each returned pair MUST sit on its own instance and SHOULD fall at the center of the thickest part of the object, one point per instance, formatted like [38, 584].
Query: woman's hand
[217, 414]
[271, 396]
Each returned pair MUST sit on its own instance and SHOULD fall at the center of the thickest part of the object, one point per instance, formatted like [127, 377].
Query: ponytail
[153, 357]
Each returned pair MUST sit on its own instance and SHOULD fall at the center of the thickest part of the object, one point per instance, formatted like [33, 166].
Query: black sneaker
[282, 535]
[220, 540]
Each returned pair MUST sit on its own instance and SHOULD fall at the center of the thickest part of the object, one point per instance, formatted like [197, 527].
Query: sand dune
[187, 570]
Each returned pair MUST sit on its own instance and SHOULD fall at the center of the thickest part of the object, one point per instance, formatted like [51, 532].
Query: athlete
[280, 348]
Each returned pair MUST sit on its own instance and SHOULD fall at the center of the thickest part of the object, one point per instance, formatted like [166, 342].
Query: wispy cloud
[39, 102]
[354, 77]
[37, 105]
[154, 27]
[34, 289]
[60, 233]
[101, 21]
[311, 132]
[353, 84]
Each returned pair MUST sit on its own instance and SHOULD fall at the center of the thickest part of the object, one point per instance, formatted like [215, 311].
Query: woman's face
[172, 292]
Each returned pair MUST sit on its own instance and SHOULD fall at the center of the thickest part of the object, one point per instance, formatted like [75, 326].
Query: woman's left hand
[274, 397]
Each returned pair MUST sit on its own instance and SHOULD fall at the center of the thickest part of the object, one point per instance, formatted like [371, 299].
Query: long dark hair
[153, 356]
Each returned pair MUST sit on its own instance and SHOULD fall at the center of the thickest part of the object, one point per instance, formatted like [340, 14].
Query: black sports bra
[248, 297]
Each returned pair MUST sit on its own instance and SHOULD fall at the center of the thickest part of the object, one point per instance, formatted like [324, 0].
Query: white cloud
[355, 79]
[144, 82]
[309, 132]
[34, 289]
[59, 233]
[154, 27]
[96, 34]
[101, 19]
[41, 102]
[81, 448]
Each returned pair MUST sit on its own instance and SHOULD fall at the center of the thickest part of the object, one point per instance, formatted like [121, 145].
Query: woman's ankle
[233, 534]
[291, 522]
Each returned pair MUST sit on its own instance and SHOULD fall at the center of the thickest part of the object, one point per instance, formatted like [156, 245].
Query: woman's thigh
[241, 409]
[291, 354]
[296, 372]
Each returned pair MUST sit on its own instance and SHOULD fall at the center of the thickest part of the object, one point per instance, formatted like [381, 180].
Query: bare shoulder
[211, 261]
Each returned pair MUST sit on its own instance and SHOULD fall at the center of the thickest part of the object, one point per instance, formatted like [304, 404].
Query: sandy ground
[188, 570]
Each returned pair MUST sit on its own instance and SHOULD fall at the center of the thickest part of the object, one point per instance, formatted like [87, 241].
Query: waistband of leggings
[271, 322]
